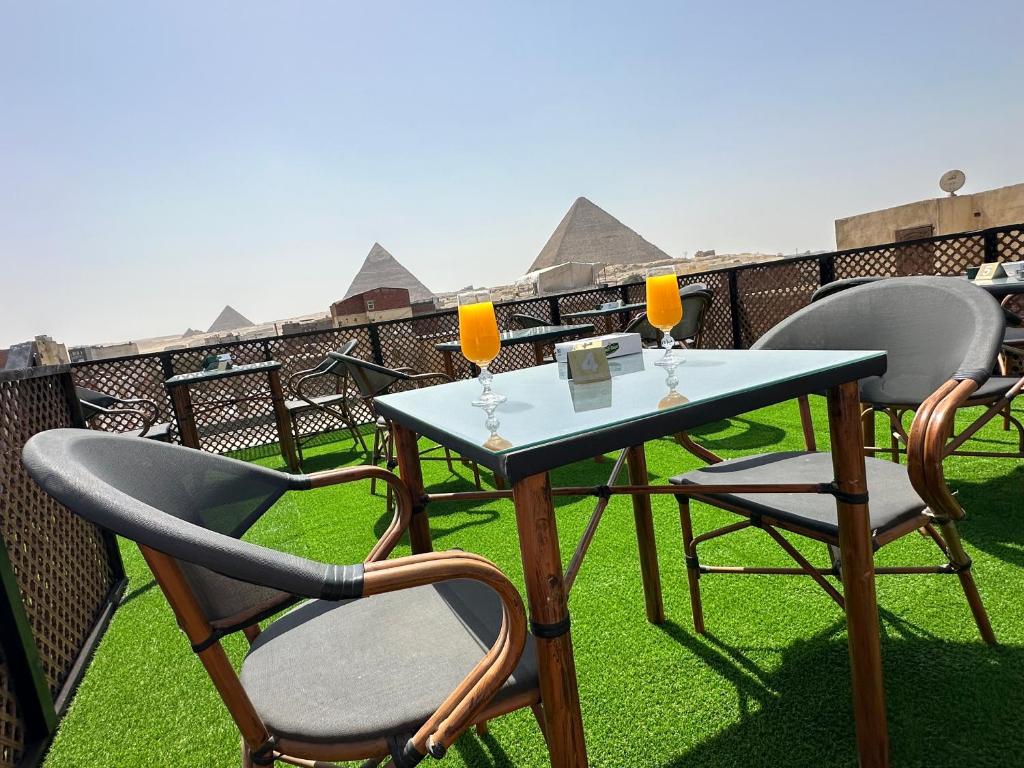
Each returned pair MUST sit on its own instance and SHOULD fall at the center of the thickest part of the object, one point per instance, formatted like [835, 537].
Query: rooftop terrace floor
[768, 686]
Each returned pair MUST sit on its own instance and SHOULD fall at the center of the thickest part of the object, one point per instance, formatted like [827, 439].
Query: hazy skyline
[158, 161]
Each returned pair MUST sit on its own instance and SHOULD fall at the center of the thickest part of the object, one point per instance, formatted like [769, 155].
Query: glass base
[672, 358]
[488, 397]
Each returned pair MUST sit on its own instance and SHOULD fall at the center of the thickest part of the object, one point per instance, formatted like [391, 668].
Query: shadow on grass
[994, 522]
[948, 704]
[755, 435]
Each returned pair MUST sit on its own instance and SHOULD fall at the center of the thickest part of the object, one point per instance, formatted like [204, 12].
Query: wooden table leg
[637, 462]
[538, 354]
[284, 423]
[449, 364]
[407, 452]
[549, 621]
[858, 578]
[181, 399]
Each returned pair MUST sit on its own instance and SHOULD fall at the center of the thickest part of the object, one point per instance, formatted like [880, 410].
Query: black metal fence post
[556, 312]
[826, 269]
[734, 310]
[378, 354]
[991, 246]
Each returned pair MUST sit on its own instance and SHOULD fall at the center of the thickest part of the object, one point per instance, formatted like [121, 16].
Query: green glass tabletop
[549, 421]
[235, 370]
[528, 336]
[1002, 286]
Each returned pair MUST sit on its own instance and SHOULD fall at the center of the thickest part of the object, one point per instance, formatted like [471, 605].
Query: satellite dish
[951, 181]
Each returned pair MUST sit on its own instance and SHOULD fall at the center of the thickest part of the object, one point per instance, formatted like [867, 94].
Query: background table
[543, 431]
[252, 390]
[539, 337]
[623, 314]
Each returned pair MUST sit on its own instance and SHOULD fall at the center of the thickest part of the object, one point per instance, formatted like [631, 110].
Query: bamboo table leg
[181, 399]
[644, 520]
[538, 354]
[549, 621]
[858, 578]
[449, 364]
[407, 452]
[284, 423]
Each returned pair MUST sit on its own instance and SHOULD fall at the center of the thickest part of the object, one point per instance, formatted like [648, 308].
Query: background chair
[890, 315]
[374, 380]
[384, 658]
[528, 321]
[334, 405]
[135, 409]
[995, 395]
[696, 299]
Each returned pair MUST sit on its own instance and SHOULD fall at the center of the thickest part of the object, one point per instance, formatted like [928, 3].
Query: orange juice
[478, 332]
[664, 309]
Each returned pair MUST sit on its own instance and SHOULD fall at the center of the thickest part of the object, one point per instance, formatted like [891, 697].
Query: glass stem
[486, 378]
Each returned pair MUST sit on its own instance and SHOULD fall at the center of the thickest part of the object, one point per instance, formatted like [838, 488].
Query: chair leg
[375, 457]
[538, 714]
[482, 729]
[246, 757]
[958, 557]
[692, 567]
[476, 475]
[448, 459]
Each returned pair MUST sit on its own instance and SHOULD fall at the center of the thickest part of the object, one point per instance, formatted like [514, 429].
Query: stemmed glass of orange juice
[664, 310]
[480, 342]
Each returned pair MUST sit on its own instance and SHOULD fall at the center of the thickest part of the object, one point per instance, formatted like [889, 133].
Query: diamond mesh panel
[60, 561]
[12, 726]
[772, 292]
[940, 256]
[140, 377]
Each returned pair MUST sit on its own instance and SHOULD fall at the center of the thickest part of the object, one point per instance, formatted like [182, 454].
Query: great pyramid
[381, 270]
[590, 234]
[229, 319]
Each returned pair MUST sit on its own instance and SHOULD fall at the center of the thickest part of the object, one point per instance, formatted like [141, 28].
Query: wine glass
[664, 309]
[480, 341]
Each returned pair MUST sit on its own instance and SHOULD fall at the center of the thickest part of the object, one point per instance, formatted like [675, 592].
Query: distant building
[103, 351]
[324, 323]
[570, 276]
[372, 306]
[588, 234]
[928, 218]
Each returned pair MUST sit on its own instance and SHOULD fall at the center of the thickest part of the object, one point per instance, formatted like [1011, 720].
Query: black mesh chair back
[695, 299]
[94, 402]
[837, 286]
[191, 505]
[528, 321]
[370, 379]
[933, 328]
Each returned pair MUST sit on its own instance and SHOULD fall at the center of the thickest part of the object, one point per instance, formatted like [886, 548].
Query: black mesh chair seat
[403, 652]
[1013, 335]
[993, 389]
[893, 499]
[528, 321]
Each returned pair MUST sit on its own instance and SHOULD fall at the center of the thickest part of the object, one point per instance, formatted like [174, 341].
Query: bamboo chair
[996, 394]
[688, 332]
[387, 658]
[335, 405]
[95, 404]
[882, 315]
[374, 380]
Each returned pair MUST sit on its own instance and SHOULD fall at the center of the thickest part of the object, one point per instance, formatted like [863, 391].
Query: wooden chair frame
[142, 408]
[383, 441]
[927, 446]
[470, 703]
[297, 384]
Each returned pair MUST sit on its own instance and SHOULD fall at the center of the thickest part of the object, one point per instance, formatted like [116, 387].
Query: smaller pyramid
[381, 270]
[590, 235]
[229, 319]
[190, 332]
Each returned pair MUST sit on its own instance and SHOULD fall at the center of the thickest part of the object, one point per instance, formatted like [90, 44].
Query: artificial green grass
[767, 686]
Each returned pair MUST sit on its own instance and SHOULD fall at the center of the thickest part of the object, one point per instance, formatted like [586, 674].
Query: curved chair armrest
[148, 414]
[479, 687]
[404, 504]
[294, 383]
[424, 377]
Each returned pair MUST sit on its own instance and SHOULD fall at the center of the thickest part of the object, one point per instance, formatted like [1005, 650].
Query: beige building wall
[374, 316]
[945, 215]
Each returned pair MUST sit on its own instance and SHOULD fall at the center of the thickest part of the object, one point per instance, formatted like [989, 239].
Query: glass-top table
[550, 422]
[1001, 287]
[539, 337]
[605, 316]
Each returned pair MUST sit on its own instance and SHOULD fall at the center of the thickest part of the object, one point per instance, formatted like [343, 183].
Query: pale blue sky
[158, 160]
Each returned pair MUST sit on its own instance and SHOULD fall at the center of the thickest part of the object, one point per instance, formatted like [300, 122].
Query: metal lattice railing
[747, 301]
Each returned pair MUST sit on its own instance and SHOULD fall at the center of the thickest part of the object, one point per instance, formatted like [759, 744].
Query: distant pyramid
[591, 235]
[382, 270]
[190, 332]
[229, 319]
